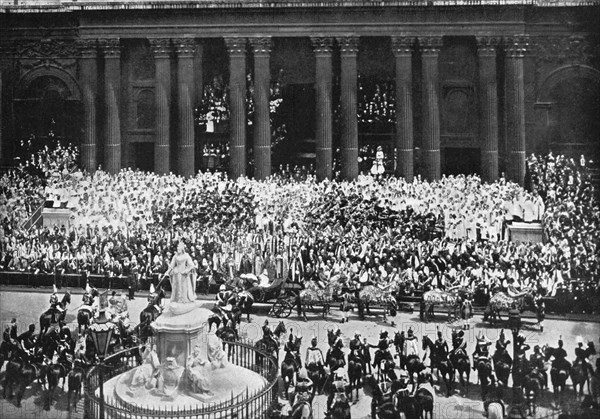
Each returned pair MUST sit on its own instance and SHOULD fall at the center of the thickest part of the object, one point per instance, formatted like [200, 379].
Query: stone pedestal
[526, 232]
[177, 334]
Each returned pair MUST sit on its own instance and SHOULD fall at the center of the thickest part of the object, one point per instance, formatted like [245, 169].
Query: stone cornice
[111, 47]
[261, 46]
[348, 45]
[516, 46]
[322, 45]
[185, 47]
[403, 45]
[61, 6]
[236, 46]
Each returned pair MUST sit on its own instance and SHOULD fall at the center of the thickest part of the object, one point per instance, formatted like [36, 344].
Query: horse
[424, 396]
[484, 370]
[335, 358]
[462, 363]
[301, 410]
[84, 318]
[74, 379]
[442, 366]
[270, 346]
[245, 301]
[559, 372]
[382, 405]
[28, 372]
[227, 334]
[495, 410]
[414, 365]
[290, 365]
[399, 344]
[579, 376]
[54, 373]
[221, 316]
[501, 302]
[153, 309]
[532, 384]
[53, 313]
[355, 368]
[446, 299]
[502, 365]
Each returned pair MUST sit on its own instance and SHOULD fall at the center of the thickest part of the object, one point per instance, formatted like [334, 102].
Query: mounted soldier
[411, 344]
[55, 304]
[440, 350]
[481, 350]
[383, 349]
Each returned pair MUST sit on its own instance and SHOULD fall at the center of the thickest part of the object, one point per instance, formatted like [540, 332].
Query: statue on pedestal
[183, 276]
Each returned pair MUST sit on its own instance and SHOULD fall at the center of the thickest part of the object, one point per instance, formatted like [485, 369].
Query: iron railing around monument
[255, 404]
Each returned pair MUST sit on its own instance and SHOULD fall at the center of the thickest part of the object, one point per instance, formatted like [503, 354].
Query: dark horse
[245, 300]
[75, 380]
[424, 397]
[290, 364]
[461, 362]
[270, 346]
[153, 310]
[382, 405]
[502, 365]
[54, 315]
[21, 372]
[442, 365]
[56, 372]
[355, 369]
[486, 378]
[221, 317]
[558, 373]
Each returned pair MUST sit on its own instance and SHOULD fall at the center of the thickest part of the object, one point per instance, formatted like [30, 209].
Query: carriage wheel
[278, 308]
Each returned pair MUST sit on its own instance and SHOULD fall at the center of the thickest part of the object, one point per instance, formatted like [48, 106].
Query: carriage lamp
[101, 331]
[514, 322]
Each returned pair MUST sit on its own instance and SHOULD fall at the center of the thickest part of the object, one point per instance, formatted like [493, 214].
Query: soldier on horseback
[481, 352]
[383, 351]
[292, 351]
[581, 356]
[458, 345]
[536, 361]
[560, 362]
[268, 335]
[55, 305]
[28, 339]
[357, 347]
[440, 350]
[411, 347]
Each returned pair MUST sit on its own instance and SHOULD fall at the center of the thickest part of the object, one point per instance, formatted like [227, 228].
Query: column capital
[236, 46]
[161, 47]
[262, 45]
[111, 47]
[321, 45]
[348, 45]
[430, 45]
[403, 45]
[516, 46]
[185, 47]
[486, 45]
[88, 48]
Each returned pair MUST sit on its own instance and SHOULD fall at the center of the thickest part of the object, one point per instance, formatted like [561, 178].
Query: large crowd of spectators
[385, 231]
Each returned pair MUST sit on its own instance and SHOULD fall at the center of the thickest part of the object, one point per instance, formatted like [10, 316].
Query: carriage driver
[481, 349]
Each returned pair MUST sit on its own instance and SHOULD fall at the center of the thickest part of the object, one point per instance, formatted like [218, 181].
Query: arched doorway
[571, 97]
[47, 110]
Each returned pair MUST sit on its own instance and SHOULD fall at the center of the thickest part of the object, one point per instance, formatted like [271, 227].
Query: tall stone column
[161, 47]
[515, 106]
[430, 49]
[237, 105]
[262, 123]
[349, 128]
[112, 103]
[88, 79]
[323, 123]
[402, 47]
[488, 100]
[184, 48]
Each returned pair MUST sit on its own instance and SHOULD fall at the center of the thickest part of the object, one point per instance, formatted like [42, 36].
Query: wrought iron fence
[246, 405]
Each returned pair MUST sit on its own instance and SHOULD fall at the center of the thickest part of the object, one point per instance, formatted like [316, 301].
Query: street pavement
[26, 307]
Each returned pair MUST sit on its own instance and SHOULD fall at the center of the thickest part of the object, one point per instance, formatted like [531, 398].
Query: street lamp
[101, 331]
[514, 322]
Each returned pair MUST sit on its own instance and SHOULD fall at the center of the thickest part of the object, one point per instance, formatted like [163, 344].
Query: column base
[489, 165]
[350, 163]
[324, 163]
[186, 160]
[516, 167]
[237, 166]
[432, 165]
[405, 164]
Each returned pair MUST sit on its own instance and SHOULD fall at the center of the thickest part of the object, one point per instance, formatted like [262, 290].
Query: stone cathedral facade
[475, 85]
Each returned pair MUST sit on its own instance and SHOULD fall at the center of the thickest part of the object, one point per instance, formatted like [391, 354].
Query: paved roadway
[27, 306]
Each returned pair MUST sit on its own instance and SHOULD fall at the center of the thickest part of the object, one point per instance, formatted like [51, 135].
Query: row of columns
[111, 53]
[403, 49]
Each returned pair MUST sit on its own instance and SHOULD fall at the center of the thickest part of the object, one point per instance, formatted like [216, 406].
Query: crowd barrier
[245, 405]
